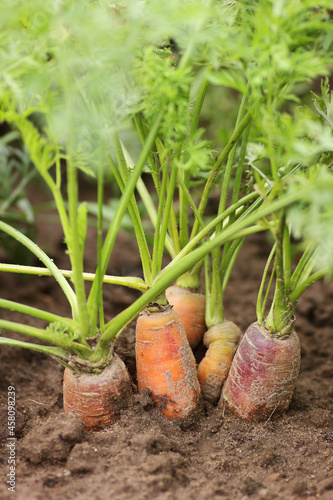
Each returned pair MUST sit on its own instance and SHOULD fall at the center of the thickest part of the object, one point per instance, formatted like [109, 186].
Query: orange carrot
[190, 307]
[166, 365]
[97, 398]
[263, 374]
[221, 341]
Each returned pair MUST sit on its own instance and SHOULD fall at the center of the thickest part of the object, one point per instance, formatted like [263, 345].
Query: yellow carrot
[221, 341]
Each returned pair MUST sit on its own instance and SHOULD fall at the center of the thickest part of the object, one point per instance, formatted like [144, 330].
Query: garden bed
[145, 456]
[124, 97]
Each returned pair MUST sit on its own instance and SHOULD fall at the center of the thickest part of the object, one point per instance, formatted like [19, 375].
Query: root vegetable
[263, 374]
[166, 365]
[190, 307]
[221, 341]
[97, 398]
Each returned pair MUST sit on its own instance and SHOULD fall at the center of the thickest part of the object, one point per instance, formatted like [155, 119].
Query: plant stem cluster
[120, 92]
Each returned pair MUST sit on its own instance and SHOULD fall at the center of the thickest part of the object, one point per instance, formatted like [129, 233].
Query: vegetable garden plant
[119, 88]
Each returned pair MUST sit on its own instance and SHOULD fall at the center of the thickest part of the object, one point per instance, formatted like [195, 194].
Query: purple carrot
[263, 374]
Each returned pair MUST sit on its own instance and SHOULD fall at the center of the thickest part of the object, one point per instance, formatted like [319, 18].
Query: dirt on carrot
[143, 455]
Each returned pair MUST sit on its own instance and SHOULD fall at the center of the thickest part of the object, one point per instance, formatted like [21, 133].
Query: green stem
[151, 210]
[50, 350]
[308, 268]
[191, 201]
[240, 165]
[120, 211]
[215, 309]
[157, 256]
[150, 160]
[24, 240]
[237, 184]
[279, 317]
[261, 303]
[302, 264]
[171, 242]
[38, 333]
[27, 128]
[230, 162]
[100, 199]
[176, 269]
[208, 278]
[37, 313]
[165, 220]
[228, 265]
[130, 282]
[184, 196]
[233, 247]
[75, 249]
[198, 105]
[286, 255]
[210, 226]
[184, 175]
[191, 279]
[214, 298]
[295, 295]
[136, 220]
[173, 226]
[214, 171]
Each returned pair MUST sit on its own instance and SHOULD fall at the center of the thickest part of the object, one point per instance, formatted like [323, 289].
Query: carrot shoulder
[97, 398]
[191, 307]
[166, 365]
[263, 374]
[221, 341]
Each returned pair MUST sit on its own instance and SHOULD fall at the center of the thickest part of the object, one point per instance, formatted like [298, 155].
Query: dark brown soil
[143, 455]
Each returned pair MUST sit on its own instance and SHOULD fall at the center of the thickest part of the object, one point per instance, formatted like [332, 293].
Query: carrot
[166, 365]
[97, 398]
[263, 374]
[190, 307]
[221, 341]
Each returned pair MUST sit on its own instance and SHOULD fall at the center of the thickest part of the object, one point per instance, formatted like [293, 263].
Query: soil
[145, 456]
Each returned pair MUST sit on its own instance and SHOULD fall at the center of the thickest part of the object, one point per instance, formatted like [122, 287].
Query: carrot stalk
[263, 374]
[166, 365]
[97, 397]
[222, 336]
[221, 341]
[190, 307]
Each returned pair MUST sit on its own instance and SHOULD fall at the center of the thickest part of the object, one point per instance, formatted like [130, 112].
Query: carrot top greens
[119, 89]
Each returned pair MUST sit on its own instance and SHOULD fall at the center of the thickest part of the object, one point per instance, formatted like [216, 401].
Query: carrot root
[97, 398]
[263, 374]
[190, 307]
[221, 341]
[166, 365]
